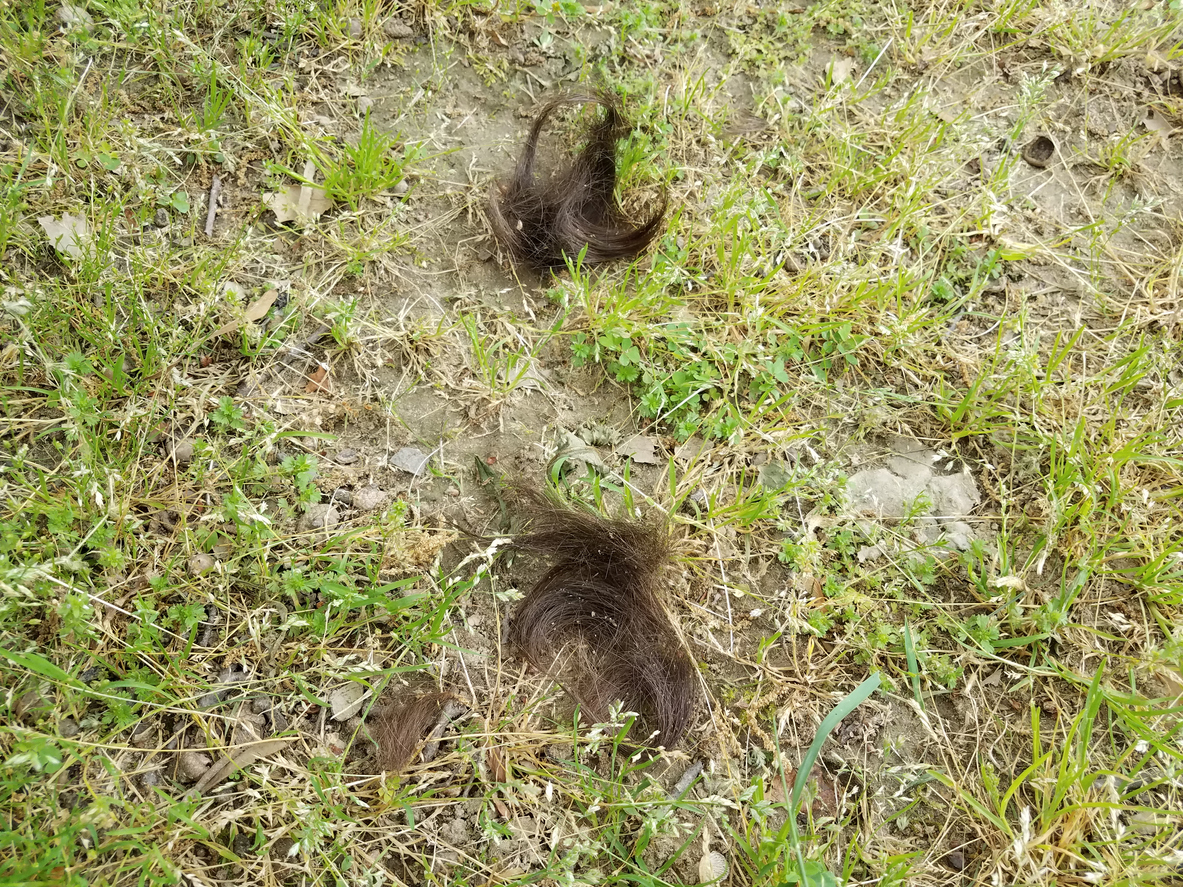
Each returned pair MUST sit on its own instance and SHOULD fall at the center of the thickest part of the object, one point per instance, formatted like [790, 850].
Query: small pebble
[192, 765]
[201, 563]
[182, 451]
[411, 460]
[161, 219]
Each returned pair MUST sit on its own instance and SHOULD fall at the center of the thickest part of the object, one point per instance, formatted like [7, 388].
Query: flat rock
[411, 460]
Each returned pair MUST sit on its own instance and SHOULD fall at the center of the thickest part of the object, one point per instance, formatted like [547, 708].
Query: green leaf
[42, 666]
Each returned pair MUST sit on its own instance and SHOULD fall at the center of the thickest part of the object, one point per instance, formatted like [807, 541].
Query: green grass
[855, 250]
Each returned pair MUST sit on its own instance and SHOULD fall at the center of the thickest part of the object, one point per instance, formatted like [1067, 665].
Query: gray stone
[411, 460]
[182, 451]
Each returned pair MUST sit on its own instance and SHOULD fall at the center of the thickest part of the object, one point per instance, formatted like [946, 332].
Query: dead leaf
[1157, 125]
[498, 771]
[347, 700]
[317, 380]
[241, 757]
[69, 236]
[840, 70]
[255, 312]
[299, 203]
[823, 796]
[640, 448]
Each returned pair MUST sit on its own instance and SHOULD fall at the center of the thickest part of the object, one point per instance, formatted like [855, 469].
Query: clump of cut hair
[399, 729]
[543, 223]
[600, 594]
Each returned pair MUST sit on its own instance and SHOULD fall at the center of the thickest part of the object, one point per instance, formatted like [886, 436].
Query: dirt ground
[412, 416]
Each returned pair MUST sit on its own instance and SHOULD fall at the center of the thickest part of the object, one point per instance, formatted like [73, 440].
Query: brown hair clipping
[600, 594]
[413, 722]
[542, 223]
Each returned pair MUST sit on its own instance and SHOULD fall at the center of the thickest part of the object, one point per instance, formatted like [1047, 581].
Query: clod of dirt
[143, 735]
[1039, 152]
[31, 706]
[712, 867]
[369, 499]
[397, 29]
[201, 563]
[411, 460]
[320, 517]
[889, 493]
[880, 493]
[182, 451]
[191, 765]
